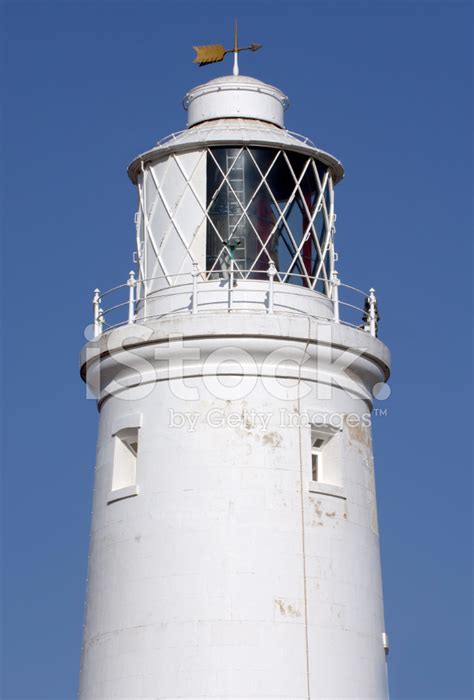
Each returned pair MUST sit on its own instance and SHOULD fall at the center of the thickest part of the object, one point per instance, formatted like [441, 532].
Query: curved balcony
[200, 292]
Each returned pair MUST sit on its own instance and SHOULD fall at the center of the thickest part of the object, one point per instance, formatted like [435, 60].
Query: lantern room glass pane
[261, 208]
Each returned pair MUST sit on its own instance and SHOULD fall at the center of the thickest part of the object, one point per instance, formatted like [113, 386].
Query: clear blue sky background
[385, 86]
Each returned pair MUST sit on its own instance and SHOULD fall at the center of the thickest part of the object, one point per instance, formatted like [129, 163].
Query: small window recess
[125, 454]
[324, 456]
[317, 457]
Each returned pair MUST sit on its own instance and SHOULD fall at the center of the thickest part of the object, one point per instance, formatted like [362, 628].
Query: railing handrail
[304, 139]
[169, 137]
[197, 277]
[237, 272]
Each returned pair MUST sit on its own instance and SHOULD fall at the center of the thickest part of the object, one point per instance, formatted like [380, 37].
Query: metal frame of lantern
[324, 203]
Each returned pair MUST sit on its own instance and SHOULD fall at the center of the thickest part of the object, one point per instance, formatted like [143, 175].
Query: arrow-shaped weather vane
[213, 53]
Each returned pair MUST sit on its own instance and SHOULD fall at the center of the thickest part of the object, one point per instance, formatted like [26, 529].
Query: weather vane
[213, 53]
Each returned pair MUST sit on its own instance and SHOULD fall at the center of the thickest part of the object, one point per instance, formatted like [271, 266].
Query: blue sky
[385, 86]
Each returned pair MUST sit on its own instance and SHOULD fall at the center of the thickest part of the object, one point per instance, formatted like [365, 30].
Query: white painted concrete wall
[247, 295]
[228, 575]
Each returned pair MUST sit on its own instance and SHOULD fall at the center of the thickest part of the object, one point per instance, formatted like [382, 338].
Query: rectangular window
[124, 467]
[326, 462]
[318, 440]
[125, 458]
[315, 465]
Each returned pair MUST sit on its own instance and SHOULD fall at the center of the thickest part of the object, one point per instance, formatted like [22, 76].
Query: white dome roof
[221, 132]
[234, 110]
[232, 80]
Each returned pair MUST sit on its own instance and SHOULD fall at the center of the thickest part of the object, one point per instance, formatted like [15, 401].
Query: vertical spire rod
[235, 70]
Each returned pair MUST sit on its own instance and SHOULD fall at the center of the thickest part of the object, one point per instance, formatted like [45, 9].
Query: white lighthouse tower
[234, 544]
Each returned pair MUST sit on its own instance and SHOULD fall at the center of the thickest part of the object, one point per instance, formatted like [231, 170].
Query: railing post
[131, 282]
[373, 313]
[194, 303]
[101, 319]
[231, 281]
[96, 313]
[271, 272]
[335, 282]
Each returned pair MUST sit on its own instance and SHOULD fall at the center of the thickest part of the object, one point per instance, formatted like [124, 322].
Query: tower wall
[232, 573]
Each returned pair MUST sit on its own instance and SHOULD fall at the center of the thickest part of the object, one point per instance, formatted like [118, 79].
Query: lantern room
[236, 193]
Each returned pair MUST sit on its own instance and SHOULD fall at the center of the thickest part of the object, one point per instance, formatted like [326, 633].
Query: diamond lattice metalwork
[244, 206]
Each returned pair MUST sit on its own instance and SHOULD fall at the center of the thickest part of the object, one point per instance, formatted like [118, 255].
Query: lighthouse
[234, 545]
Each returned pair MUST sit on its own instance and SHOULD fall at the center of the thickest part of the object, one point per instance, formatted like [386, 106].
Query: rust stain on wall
[358, 433]
[286, 609]
[319, 512]
[273, 439]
